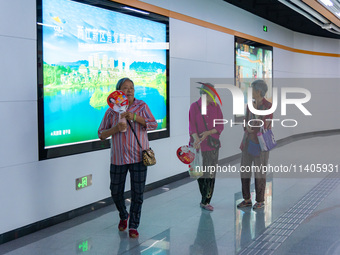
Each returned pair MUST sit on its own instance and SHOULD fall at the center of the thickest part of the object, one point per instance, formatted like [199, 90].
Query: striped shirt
[124, 146]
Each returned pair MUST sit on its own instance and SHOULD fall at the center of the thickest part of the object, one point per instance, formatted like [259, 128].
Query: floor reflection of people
[246, 228]
[205, 241]
[128, 245]
[259, 223]
[247, 233]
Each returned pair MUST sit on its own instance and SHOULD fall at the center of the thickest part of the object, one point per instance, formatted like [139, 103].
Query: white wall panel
[18, 18]
[18, 72]
[218, 71]
[282, 62]
[331, 69]
[20, 196]
[19, 133]
[221, 41]
[303, 64]
[181, 70]
[167, 162]
[47, 188]
[189, 7]
[179, 118]
[315, 43]
[188, 41]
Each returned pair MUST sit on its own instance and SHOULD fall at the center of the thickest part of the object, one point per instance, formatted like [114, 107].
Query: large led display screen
[84, 48]
[253, 61]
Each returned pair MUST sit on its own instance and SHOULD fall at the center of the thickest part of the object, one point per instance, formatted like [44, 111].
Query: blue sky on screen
[72, 31]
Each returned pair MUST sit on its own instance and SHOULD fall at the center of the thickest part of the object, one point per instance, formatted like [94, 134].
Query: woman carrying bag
[251, 151]
[126, 153]
[204, 136]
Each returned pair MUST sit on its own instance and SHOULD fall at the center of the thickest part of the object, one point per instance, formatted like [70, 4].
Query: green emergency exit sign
[265, 28]
[84, 246]
[83, 182]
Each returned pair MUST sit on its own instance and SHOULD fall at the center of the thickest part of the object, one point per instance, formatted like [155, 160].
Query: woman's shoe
[244, 203]
[258, 205]
[123, 224]
[133, 233]
[207, 207]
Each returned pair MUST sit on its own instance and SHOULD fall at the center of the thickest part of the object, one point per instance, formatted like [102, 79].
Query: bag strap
[134, 133]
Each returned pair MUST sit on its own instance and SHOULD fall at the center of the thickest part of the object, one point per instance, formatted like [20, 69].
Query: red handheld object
[117, 98]
[185, 155]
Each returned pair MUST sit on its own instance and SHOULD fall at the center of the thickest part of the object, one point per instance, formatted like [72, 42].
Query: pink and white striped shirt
[124, 146]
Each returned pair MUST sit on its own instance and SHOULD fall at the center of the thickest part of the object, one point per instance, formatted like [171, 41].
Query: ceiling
[281, 14]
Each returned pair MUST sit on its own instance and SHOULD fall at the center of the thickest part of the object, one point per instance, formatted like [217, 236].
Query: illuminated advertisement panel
[83, 50]
[253, 61]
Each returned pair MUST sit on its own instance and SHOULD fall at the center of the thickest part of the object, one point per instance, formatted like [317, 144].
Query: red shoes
[123, 224]
[133, 233]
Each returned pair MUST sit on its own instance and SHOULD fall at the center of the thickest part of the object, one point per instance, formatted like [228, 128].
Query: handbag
[149, 158]
[254, 149]
[266, 139]
[212, 141]
[148, 155]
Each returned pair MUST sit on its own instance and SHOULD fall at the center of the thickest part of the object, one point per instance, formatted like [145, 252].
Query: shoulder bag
[148, 155]
[266, 139]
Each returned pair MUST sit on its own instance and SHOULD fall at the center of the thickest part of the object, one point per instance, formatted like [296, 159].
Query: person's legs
[246, 162]
[210, 159]
[260, 186]
[117, 185]
[260, 176]
[202, 181]
[206, 183]
[201, 186]
[138, 174]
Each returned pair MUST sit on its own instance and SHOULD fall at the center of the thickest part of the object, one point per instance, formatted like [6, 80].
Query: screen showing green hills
[86, 50]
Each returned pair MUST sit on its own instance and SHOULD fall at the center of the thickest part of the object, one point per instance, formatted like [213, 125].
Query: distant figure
[250, 140]
[200, 129]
